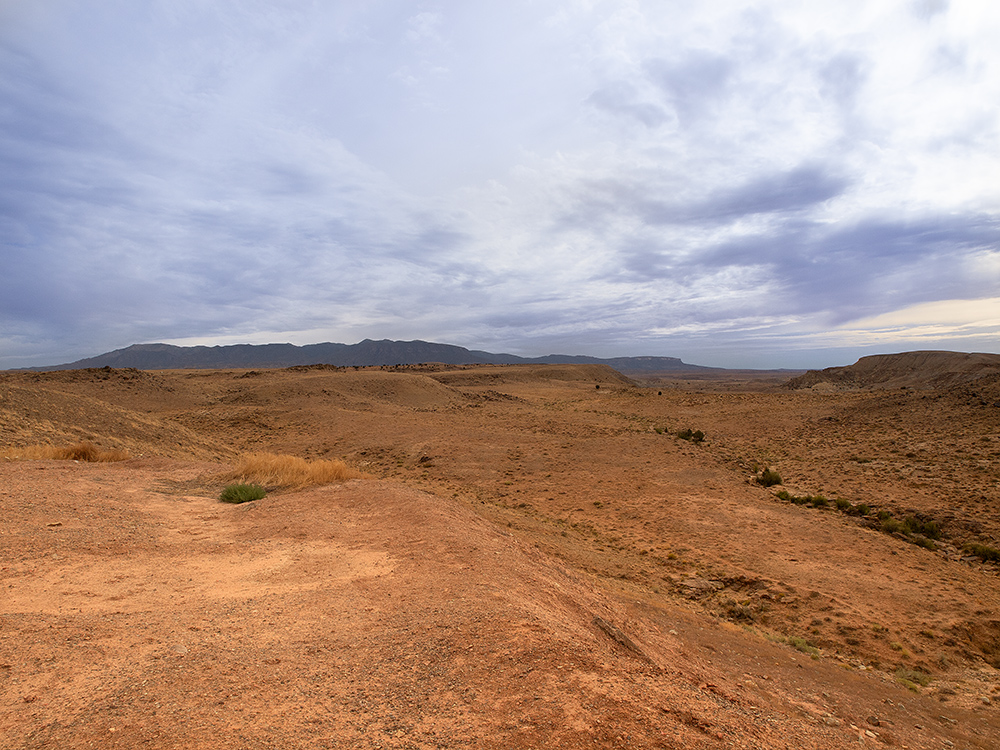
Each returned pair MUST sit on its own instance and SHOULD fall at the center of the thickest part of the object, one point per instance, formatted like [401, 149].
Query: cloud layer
[737, 183]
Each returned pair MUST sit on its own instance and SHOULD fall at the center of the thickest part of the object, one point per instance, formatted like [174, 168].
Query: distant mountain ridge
[363, 354]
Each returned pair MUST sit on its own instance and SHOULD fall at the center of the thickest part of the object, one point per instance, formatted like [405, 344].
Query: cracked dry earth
[527, 564]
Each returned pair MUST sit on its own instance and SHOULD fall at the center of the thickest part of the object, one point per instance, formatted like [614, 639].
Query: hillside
[529, 561]
[922, 369]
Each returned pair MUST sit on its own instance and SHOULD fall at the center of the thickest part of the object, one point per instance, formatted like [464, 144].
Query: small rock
[870, 733]
[986, 700]
[873, 720]
[832, 721]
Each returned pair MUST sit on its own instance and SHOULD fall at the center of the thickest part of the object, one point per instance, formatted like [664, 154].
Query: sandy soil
[529, 563]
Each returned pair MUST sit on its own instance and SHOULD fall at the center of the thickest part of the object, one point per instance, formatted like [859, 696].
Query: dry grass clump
[82, 451]
[273, 470]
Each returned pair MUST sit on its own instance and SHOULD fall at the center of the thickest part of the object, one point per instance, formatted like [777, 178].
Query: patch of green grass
[242, 493]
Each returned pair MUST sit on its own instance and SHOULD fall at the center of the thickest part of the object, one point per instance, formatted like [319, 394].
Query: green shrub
[929, 529]
[983, 552]
[891, 526]
[912, 679]
[862, 509]
[694, 436]
[784, 495]
[922, 541]
[242, 493]
[768, 478]
[801, 644]
[818, 501]
[843, 505]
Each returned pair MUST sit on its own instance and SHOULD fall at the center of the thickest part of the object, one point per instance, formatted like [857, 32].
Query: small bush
[784, 495]
[862, 509]
[844, 506]
[695, 436]
[818, 501]
[982, 551]
[892, 526]
[768, 478]
[242, 493]
[801, 644]
[929, 529]
[912, 679]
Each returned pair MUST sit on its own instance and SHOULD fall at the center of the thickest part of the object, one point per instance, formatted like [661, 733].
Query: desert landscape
[522, 556]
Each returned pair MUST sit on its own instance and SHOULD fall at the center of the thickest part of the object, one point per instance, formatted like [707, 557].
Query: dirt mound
[46, 411]
[368, 614]
[925, 369]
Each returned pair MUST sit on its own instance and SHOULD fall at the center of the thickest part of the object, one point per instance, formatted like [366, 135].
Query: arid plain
[532, 558]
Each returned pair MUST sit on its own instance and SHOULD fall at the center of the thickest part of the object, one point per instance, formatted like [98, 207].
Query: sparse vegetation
[768, 478]
[242, 493]
[912, 679]
[801, 644]
[273, 470]
[915, 530]
[982, 551]
[82, 451]
[693, 436]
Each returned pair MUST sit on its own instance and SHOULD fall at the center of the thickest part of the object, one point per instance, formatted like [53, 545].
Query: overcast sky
[741, 184]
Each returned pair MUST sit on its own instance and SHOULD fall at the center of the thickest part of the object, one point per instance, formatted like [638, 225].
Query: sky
[764, 184]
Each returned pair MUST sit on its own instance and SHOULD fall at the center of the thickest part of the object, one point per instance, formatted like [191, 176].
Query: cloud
[685, 178]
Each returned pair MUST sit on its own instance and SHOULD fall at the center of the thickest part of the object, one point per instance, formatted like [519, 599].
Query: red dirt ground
[528, 563]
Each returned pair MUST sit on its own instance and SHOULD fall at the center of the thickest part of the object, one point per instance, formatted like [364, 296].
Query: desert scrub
[801, 644]
[242, 493]
[82, 451]
[912, 679]
[768, 478]
[273, 470]
[982, 551]
[692, 436]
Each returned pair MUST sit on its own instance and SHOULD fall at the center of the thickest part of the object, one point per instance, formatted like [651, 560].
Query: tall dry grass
[273, 470]
[82, 451]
